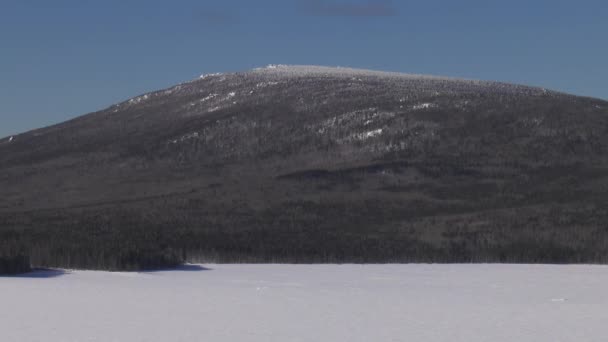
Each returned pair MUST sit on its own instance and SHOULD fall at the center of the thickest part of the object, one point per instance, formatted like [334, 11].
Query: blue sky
[60, 59]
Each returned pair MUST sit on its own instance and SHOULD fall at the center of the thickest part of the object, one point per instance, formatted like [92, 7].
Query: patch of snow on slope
[362, 136]
[344, 118]
[531, 122]
[266, 84]
[219, 105]
[205, 76]
[313, 70]
[378, 115]
[208, 97]
[424, 106]
[370, 134]
[355, 303]
[193, 135]
[271, 67]
[172, 90]
[353, 119]
[139, 99]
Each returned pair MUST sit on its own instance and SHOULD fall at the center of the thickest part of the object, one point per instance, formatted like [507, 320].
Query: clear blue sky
[60, 59]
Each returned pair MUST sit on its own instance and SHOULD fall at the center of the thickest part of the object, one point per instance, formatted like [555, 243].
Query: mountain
[314, 164]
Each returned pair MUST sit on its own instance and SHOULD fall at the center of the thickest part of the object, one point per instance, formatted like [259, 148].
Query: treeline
[76, 244]
[14, 264]
[13, 255]
[357, 231]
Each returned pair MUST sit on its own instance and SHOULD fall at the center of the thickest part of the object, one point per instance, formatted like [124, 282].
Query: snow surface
[424, 106]
[366, 135]
[315, 70]
[310, 303]
[204, 76]
[139, 99]
[208, 97]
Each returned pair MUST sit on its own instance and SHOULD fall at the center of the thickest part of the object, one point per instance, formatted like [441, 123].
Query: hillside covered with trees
[297, 164]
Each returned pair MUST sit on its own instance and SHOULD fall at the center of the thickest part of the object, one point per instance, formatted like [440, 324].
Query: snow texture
[365, 135]
[424, 106]
[139, 99]
[205, 76]
[313, 70]
[208, 97]
[275, 74]
[465, 303]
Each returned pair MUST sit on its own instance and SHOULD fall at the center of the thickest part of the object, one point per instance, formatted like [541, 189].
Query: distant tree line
[322, 231]
[14, 264]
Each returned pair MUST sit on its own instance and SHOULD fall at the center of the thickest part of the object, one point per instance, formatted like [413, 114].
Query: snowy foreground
[310, 303]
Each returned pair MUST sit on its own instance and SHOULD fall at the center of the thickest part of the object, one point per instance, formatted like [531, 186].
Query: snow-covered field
[310, 303]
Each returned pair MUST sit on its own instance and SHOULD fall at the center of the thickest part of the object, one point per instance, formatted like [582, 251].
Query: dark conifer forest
[312, 165]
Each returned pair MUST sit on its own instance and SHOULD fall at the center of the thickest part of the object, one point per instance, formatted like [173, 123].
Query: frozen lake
[310, 303]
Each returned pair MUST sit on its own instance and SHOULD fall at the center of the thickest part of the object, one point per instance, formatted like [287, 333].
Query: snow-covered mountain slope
[467, 303]
[301, 163]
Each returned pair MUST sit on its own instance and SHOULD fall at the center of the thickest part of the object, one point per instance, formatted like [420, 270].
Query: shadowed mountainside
[313, 164]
